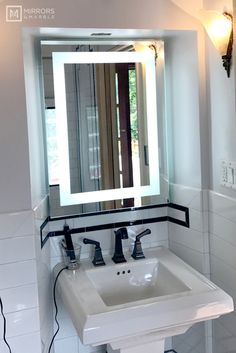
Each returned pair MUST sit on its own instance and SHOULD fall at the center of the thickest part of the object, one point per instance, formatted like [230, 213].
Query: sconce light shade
[220, 30]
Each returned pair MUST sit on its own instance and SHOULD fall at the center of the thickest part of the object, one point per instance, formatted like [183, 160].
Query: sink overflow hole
[123, 272]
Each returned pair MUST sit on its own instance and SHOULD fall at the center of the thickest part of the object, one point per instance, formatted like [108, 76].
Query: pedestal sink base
[145, 341]
[157, 347]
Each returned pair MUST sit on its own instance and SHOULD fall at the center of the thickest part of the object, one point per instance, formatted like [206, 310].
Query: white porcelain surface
[134, 281]
[102, 309]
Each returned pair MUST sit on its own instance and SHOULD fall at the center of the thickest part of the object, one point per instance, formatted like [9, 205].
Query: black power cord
[56, 309]
[56, 312]
[4, 325]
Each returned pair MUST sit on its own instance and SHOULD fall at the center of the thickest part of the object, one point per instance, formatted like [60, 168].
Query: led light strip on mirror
[147, 58]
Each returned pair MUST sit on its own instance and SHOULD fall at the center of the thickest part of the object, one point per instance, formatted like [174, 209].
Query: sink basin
[134, 281]
[140, 301]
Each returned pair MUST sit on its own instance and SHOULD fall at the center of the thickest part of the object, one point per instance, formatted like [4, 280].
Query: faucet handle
[145, 232]
[98, 258]
[138, 251]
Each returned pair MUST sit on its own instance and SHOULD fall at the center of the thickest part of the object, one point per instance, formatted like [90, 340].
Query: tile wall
[192, 245]
[44, 278]
[222, 232]
[18, 283]
[25, 277]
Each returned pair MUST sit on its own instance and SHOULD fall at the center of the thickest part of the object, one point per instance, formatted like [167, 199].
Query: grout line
[22, 335]
[20, 310]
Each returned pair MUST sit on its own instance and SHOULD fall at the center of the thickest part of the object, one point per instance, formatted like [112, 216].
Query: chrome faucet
[118, 256]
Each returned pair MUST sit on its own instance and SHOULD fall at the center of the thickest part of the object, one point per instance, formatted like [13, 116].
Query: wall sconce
[220, 30]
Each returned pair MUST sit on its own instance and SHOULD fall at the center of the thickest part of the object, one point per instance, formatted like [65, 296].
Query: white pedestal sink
[135, 305]
[157, 347]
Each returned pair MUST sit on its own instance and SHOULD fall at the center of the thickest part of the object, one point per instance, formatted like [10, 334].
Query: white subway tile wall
[192, 341]
[25, 282]
[192, 245]
[222, 230]
[44, 277]
[18, 283]
[23, 344]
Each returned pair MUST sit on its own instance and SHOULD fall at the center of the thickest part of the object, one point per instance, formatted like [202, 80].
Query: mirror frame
[148, 59]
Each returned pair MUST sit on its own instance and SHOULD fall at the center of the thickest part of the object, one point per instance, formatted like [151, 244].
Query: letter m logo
[14, 13]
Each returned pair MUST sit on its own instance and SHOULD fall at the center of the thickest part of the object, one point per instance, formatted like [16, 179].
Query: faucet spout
[118, 256]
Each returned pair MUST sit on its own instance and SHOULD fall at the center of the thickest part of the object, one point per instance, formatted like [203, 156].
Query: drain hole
[118, 273]
[123, 272]
[128, 271]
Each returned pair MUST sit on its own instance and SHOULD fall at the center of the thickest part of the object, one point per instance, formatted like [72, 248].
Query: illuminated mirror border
[147, 58]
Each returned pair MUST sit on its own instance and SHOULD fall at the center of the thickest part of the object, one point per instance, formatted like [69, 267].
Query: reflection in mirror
[109, 133]
[105, 125]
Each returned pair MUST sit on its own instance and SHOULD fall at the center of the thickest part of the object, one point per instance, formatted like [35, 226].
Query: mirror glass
[103, 138]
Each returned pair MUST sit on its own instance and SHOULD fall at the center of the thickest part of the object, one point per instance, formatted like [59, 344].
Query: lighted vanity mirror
[105, 111]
